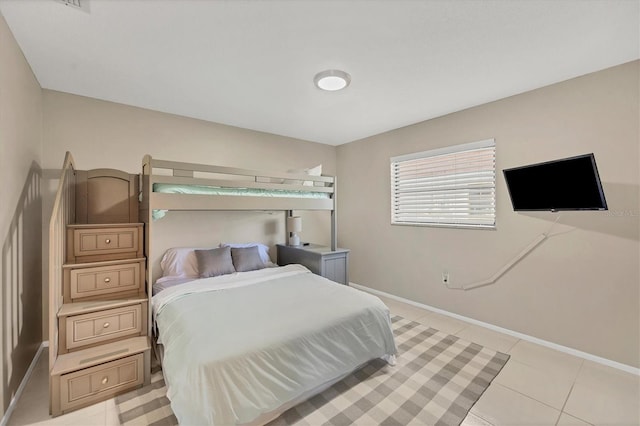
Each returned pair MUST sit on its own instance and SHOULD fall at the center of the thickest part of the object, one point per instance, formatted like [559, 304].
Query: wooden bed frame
[170, 172]
[173, 172]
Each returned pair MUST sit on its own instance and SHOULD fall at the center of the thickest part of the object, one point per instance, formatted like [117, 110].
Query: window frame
[454, 149]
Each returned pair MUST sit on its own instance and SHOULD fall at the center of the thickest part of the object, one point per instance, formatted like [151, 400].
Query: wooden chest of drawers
[102, 340]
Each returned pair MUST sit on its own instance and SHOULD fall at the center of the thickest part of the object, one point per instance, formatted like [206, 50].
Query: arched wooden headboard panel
[106, 196]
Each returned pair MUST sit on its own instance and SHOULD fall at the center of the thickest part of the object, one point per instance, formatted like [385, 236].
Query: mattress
[242, 345]
[168, 188]
[160, 285]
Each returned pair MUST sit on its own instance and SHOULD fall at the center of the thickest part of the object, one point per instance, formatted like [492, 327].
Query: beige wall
[104, 134]
[20, 215]
[580, 288]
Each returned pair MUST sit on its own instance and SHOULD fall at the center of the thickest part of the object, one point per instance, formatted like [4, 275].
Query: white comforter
[241, 345]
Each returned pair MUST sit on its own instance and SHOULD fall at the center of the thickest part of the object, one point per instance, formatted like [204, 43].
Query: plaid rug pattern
[437, 379]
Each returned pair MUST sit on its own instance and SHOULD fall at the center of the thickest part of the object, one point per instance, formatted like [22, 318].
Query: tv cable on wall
[560, 185]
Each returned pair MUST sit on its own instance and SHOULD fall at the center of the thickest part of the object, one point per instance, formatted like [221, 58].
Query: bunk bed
[171, 185]
[242, 348]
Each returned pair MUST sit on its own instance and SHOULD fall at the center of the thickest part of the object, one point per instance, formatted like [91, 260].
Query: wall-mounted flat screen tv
[565, 184]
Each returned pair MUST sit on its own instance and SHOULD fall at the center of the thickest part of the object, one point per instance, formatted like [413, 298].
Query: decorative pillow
[214, 262]
[313, 171]
[246, 259]
[180, 262]
[263, 250]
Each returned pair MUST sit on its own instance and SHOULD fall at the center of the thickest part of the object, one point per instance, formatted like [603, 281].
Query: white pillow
[180, 262]
[313, 171]
[263, 250]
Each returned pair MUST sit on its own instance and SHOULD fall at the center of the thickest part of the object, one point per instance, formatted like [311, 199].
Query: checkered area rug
[437, 379]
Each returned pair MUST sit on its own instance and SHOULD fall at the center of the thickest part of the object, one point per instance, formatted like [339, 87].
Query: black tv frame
[596, 174]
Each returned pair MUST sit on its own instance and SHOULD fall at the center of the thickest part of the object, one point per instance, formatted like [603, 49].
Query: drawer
[95, 327]
[104, 280]
[97, 383]
[105, 242]
[96, 241]
[335, 268]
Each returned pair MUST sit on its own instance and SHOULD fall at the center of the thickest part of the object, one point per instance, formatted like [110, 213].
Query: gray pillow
[246, 258]
[214, 262]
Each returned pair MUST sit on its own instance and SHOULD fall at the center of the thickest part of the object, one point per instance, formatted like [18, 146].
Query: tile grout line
[479, 416]
[575, 380]
[529, 397]
[565, 403]
[532, 398]
[537, 367]
[512, 346]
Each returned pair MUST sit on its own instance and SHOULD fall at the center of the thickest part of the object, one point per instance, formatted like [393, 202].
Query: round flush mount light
[332, 80]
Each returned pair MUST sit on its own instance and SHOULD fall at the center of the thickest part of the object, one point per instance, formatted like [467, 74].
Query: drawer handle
[106, 325]
[107, 280]
[107, 241]
[105, 380]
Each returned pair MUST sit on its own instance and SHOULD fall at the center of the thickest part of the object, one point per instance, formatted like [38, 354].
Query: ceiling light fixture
[332, 80]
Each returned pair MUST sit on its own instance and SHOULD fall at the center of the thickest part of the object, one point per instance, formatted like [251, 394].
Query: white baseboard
[541, 342]
[23, 384]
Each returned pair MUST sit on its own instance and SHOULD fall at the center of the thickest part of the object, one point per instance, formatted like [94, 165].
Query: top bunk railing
[257, 190]
[63, 214]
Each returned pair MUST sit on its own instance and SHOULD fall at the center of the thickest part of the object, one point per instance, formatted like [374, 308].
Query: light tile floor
[538, 386]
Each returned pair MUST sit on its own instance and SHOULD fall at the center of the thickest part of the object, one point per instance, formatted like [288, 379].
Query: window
[453, 186]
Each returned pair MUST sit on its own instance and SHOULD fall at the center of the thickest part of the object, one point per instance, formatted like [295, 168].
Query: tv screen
[566, 184]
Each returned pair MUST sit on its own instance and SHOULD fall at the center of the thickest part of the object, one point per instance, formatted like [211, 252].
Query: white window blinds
[454, 186]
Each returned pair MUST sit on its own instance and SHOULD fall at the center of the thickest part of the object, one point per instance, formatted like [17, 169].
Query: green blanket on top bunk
[168, 188]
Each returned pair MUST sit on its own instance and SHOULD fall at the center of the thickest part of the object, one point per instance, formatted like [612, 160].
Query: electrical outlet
[445, 277]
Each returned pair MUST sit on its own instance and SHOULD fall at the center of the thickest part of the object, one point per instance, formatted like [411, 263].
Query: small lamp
[294, 225]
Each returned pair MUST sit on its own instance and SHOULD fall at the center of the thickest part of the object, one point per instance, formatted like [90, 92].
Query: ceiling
[251, 63]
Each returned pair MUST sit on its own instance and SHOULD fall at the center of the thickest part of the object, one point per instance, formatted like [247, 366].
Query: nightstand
[321, 260]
